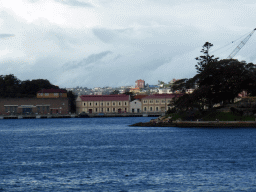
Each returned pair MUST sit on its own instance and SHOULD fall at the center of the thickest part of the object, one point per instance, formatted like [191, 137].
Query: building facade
[103, 104]
[27, 106]
[157, 102]
[140, 84]
[135, 106]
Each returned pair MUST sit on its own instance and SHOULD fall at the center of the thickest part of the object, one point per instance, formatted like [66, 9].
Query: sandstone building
[103, 104]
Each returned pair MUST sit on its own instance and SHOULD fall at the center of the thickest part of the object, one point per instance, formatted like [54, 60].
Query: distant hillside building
[103, 104]
[165, 91]
[135, 90]
[140, 84]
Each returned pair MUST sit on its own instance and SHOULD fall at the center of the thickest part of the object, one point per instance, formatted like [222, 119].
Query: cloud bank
[94, 43]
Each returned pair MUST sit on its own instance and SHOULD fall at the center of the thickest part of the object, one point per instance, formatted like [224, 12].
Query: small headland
[203, 124]
[216, 118]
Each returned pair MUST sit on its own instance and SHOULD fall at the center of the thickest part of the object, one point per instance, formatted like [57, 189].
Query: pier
[34, 116]
[156, 114]
[88, 115]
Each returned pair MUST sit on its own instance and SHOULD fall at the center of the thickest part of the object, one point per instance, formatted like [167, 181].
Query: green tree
[182, 85]
[205, 59]
[217, 81]
[30, 88]
[222, 81]
[115, 92]
[11, 86]
[72, 101]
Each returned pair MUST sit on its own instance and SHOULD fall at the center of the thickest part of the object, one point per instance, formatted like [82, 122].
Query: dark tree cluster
[11, 86]
[216, 82]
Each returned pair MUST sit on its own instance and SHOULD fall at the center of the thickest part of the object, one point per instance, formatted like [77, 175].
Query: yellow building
[52, 93]
[157, 102]
[103, 104]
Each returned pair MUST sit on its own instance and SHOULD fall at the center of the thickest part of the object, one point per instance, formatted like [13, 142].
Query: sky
[98, 43]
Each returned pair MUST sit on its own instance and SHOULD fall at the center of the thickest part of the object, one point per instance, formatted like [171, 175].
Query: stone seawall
[213, 124]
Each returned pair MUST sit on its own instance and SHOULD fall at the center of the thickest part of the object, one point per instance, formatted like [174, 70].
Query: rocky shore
[167, 122]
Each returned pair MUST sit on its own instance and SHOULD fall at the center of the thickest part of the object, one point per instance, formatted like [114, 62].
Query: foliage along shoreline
[217, 82]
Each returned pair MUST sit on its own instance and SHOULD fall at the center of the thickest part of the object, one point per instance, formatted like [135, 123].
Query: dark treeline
[11, 86]
[216, 82]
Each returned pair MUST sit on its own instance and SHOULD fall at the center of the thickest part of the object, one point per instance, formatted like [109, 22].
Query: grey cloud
[111, 35]
[104, 35]
[62, 40]
[74, 3]
[93, 58]
[6, 35]
[33, 1]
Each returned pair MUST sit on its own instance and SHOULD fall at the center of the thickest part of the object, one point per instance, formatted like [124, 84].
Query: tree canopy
[11, 86]
[217, 81]
[205, 59]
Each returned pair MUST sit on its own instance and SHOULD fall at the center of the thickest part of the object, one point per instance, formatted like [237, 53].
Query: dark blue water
[105, 154]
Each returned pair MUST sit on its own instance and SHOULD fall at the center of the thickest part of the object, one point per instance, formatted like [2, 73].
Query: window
[101, 109]
[96, 104]
[101, 104]
[156, 108]
[55, 94]
[151, 109]
[145, 101]
[113, 109]
[90, 104]
[46, 94]
[124, 103]
[119, 103]
[151, 101]
[114, 103]
[163, 101]
[145, 108]
[107, 103]
[135, 102]
[107, 109]
[157, 101]
[96, 109]
[84, 104]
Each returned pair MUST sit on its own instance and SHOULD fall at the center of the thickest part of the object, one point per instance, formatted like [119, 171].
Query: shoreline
[189, 124]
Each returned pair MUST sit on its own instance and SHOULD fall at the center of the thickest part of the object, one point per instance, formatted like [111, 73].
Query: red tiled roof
[105, 97]
[52, 91]
[139, 97]
[163, 96]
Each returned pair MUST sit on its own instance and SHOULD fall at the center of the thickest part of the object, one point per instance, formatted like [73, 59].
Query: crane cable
[230, 43]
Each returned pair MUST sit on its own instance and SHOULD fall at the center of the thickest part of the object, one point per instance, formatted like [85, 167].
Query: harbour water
[105, 154]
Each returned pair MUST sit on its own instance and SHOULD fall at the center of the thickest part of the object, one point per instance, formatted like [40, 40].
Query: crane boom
[237, 49]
